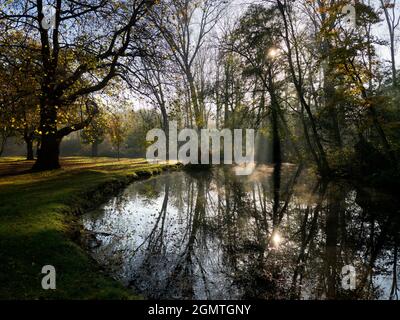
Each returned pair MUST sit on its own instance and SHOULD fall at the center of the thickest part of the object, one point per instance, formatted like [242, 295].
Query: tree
[117, 130]
[4, 130]
[175, 20]
[81, 51]
[140, 122]
[94, 133]
[392, 22]
[297, 72]
[19, 94]
[154, 78]
[255, 40]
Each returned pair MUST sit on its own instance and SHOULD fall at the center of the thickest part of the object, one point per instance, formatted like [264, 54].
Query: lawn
[39, 225]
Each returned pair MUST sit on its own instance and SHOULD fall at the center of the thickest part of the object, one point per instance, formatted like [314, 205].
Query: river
[280, 233]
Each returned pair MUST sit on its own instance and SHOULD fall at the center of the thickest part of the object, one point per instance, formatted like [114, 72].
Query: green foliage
[140, 123]
[96, 130]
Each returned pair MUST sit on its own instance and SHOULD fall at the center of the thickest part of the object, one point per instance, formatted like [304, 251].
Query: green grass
[37, 225]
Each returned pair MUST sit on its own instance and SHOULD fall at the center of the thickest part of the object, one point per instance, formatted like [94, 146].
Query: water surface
[277, 234]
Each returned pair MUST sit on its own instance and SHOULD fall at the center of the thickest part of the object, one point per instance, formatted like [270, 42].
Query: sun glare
[276, 239]
[273, 53]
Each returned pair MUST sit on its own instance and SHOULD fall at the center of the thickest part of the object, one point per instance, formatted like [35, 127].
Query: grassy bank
[38, 225]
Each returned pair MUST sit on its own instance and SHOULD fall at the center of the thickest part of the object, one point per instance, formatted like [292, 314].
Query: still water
[277, 234]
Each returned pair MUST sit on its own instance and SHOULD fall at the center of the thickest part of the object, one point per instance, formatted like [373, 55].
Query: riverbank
[39, 225]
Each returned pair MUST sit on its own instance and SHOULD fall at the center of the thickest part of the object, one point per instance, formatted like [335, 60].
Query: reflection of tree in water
[179, 282]
[181, 279]
[276, 235]
[377, 240]
[259, 273]
[153, 245]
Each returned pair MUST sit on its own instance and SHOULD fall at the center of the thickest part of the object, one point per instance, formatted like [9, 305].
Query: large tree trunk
[37, 148]
[29, 149]
[28, 138]
[51, 136]
[49, 152]
[3, 142]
